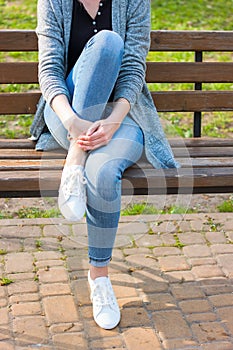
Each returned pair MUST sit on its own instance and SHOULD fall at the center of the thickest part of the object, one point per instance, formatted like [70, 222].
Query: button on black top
[83, 27]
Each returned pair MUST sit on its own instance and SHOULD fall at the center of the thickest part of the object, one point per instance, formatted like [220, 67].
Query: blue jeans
[91, 82]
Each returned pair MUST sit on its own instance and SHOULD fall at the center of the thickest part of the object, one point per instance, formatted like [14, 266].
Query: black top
[83, 27]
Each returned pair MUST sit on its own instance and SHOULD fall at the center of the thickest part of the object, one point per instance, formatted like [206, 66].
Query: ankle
[75, 156]
[96, 272]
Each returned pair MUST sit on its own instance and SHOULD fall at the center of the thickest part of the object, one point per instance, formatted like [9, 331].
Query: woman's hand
[98, 134]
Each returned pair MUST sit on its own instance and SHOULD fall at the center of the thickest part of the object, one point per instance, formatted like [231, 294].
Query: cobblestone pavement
[172, 276]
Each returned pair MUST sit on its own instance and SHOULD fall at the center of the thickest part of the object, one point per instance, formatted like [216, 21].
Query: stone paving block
[79, 262]
[221, 300]
[22, 287]
[107, 343]
[209, 332]
[24, 297]
[201, 317]
[222, 248]
[143, 260]
[195, 306]
[134, 317]
[226, 314]
[18, 262]
[5, 333]
[30, 330]
[171, 263]
[149, 241]
[226, 262]
[215, 237]
[3, 302]
[50, 289]
[130, 302]
[26, 309]
[202, 261]
[20, 231]
[149, 282]
[71, 341]
[4, 316]
[123, 285]
[197, 251]
[66, 327]
[215, 288]
[57, 231]
[187, 291]
[141, 338]
[227, 225]
[10, 245]
[53, 275]
[179, 276]
[178, 344]
[133, 251]
[3, 291]
[60, 308]
[170, 324]
[207, 271]
[6, 346]
[21, 276]
[47, 255]
[94, 332]
[168, 239]
[218, 346]
[166, 251]
[196, 225]
[192, 238]
[81, 291]
[42, 243]
[49, 263]
[160, 301]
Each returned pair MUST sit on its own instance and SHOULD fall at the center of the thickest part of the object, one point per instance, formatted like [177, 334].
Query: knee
[105, 180]
[110, 41]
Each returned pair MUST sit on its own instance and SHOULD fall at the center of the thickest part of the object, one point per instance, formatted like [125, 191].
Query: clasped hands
[92, 135]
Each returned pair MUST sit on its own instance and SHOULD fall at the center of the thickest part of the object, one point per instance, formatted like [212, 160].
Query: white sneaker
[106, 311]
[72, 193]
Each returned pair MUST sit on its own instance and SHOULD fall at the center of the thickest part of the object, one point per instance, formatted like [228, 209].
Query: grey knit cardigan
[131, 20]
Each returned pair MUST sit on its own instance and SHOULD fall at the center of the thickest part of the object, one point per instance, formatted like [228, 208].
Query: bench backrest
[197, 72]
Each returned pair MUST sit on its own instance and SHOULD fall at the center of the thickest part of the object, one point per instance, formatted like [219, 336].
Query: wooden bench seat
[207, 164]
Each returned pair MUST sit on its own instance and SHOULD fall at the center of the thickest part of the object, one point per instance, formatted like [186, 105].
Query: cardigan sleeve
[137, 42]
[50, 32]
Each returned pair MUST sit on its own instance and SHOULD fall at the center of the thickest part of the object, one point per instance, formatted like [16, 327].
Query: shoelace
[73, 185]
[103, 295]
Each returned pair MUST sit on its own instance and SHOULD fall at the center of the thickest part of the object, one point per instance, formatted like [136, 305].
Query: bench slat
[18, 72]
[157, 72]
[191, 40]
[193, 101]
[178, 152]
[57, 164]
[168, 101]
[183, 179]
[174, 142]
[26, 40]
[189, 72]
[18, 40]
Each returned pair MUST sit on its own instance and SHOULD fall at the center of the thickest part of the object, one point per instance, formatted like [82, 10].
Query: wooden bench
[207, 164]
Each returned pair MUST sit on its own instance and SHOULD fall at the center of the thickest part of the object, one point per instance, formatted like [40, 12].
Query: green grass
[34, 212]
[4, 281]
[143, 209]
[226, 206]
